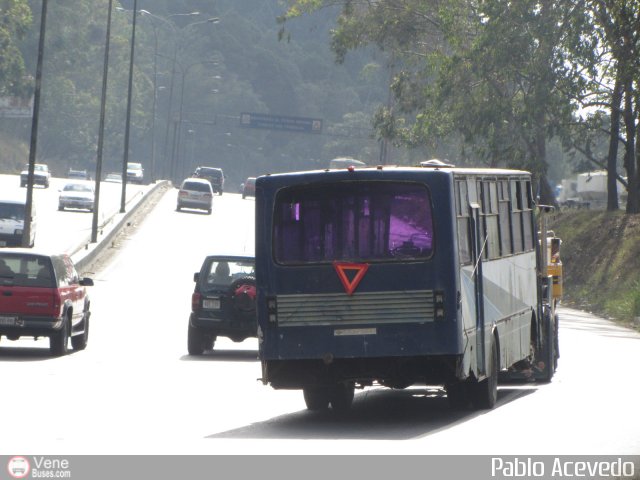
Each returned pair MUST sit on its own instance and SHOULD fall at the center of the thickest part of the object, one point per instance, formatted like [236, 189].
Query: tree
[493, 72]
[620, 22]
[15, 20]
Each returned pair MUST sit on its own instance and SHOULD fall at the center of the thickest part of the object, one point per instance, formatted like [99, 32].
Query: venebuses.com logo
[38, 467]
[18, 467]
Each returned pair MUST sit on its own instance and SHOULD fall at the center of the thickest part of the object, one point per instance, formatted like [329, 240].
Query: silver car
[77, 195]
[195, 193]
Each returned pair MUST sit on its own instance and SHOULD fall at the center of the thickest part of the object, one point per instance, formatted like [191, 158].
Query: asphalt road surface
[134, 390]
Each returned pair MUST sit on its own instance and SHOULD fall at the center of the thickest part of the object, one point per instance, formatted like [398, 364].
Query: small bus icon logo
[18, 467]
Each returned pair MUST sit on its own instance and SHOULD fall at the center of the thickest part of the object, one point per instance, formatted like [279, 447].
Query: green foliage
[601, 258]
[507, 77]
[253, 71]
[15, 19]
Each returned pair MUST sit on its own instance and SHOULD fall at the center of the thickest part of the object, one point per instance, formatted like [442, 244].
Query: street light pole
[26, 231]
[153, 105]
[127, 130]
[103, 102]
[176, 47]
[177, 138]
[166, 21]
[174, 30]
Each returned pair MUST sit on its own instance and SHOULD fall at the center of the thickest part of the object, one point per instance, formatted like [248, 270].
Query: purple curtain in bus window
[359, 221]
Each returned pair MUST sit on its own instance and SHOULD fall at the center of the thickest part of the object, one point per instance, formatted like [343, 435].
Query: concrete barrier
[87, 252]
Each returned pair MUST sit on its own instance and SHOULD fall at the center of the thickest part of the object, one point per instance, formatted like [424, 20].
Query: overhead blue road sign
[280, 122]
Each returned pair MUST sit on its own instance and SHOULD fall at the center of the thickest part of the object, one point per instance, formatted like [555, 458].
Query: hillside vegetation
[601, 260]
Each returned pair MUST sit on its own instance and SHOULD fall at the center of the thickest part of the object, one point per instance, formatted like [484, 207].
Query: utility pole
[103, 101]
[26, 232]
[125, 160]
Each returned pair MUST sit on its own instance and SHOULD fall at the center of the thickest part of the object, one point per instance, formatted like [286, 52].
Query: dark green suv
[214, 175]
[223, 303]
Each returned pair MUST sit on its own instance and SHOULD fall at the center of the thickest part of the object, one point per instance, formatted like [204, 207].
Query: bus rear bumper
[393, 372]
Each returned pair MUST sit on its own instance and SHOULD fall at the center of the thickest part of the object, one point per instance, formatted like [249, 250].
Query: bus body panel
[510, 299]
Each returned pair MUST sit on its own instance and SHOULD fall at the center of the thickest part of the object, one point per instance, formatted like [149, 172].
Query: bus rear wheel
[484, 394]
[457, 395]
[549, 347]
[341, 397]
[316, 398]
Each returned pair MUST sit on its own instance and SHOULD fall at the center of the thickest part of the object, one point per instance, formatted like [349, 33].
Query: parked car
[12, 216]
[43, 296]
[78, 174]
[77, 195]
[214, 175]
[223, 303]
[41, 175]
[195, 193]
[249, 189]
[135, 173]
[113, 178]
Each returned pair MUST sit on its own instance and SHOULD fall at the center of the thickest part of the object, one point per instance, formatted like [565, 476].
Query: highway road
[134, 390]
[69, 229]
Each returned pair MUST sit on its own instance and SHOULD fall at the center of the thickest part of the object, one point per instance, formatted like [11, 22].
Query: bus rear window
[353, 221]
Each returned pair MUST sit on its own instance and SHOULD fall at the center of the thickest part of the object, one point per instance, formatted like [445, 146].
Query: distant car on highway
[249, 188]
[113, 178]
[78, 174]
[41, 175]
[214, 175]
[43, 296]
[223, 303]
[12, 215]
[195, 193]
[135, 173]
[77, 195]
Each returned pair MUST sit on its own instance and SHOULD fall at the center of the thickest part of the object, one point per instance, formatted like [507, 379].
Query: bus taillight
[272, 309]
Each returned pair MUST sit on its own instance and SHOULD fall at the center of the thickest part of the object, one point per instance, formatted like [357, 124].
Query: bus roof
[375, 171]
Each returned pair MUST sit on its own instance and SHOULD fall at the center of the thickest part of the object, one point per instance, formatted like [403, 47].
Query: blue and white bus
[400, 276]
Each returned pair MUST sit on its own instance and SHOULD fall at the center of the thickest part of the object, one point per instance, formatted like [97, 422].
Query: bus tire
[316, 398]
[457, 395]
[550, 340]
[341, 397]
[556, 326]
[484, 394]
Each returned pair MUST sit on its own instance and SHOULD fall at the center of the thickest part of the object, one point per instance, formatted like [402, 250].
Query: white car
[135, 173]
[195, 193]
[113, 178]
[77, 195]
[12, 224]
[41, 175]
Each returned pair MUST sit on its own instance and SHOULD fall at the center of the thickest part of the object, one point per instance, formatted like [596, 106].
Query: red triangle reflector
[342, 268]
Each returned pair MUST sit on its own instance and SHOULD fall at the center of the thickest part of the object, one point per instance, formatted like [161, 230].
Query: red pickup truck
[41, 295]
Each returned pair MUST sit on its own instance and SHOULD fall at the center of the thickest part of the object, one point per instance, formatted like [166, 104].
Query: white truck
[587, 190]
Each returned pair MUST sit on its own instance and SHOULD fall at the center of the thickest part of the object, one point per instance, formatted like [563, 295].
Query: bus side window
[462, 219]
[516, 215]
[490, 212]
[527, 214]
[505, 218]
